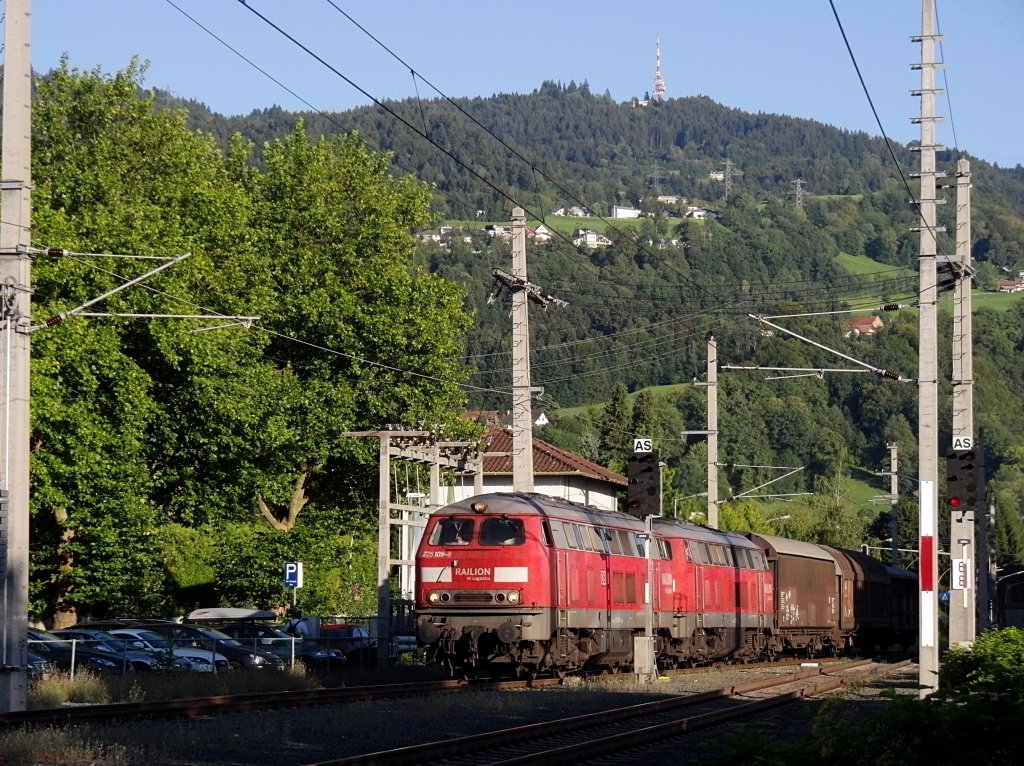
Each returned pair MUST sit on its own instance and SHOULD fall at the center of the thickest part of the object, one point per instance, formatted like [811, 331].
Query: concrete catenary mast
[928, 368]
[15, 283]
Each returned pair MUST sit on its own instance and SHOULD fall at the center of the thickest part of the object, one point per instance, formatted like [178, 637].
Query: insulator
[891, 307]
[57, 251]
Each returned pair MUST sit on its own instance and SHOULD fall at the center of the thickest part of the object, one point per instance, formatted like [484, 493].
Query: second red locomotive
[524, 583]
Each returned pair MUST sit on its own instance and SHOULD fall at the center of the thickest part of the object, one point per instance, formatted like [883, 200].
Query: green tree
[114, 176]
[615, 437]
[137, 424]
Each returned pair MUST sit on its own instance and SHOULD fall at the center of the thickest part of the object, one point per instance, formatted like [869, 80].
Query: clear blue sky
[777, 56]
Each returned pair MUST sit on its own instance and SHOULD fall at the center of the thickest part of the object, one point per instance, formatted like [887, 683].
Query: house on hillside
[1012, 285]
[556, 472]
[573, 212]
[864, 326]
[590, 238]
[623, 211]
[540, 233]
[498, 230]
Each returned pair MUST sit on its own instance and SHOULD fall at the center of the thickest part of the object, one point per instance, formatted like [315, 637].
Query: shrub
[993, 665]
[61, 688]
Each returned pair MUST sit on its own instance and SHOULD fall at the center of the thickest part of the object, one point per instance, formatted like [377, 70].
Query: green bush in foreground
[974, 719]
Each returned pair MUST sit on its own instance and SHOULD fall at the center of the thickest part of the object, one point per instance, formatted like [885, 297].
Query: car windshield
[118, 642]
[155, 640]
[275, 633]
[46, 643]
[96, 643]
[217, 635]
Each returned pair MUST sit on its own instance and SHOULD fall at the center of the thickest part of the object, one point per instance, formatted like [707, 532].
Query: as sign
[643, 444]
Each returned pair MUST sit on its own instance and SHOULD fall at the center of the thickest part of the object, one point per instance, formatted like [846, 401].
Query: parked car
[59, 653]
[198, 636]
[140, 659]
[352, 640]
[198, 660]
[37, 665]
[272, 639]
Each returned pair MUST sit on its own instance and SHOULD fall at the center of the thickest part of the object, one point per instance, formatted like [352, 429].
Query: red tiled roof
[547, 459]
[870, 323]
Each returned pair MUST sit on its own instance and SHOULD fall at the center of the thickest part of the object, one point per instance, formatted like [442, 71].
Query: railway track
[610, 734]
[225, 704]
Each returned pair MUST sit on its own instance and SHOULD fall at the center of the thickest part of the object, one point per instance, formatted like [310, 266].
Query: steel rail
[433, 752]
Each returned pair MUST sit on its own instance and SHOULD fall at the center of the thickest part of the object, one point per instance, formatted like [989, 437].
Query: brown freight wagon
[806, 594]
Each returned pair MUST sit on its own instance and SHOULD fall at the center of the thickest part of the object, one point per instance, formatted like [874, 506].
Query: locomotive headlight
[433, 597]
[513, 597]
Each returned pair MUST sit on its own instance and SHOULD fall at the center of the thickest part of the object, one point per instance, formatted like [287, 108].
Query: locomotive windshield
[502, 532]
[452, 532]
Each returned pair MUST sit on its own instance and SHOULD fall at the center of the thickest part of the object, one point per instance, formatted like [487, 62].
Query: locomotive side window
[742, 556]
[705, 554]
[625, 543]
[570, 537]
[595, 541]
[501, 531]
[452, 532]
[638, 543]
[581, 538]
[692, 553]
[611, 540]
[663, 549]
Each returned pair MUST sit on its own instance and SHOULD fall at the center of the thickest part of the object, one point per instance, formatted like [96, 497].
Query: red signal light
[955, 502]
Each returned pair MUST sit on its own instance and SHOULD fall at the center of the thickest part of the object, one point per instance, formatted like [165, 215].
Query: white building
[622, 211]
[556, 472]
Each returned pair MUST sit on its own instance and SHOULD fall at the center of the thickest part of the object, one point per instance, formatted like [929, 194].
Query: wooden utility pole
[928, 368]
[15, 283]
[962, 616]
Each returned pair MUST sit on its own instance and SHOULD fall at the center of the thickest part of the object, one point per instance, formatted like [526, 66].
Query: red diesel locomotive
[524, 583]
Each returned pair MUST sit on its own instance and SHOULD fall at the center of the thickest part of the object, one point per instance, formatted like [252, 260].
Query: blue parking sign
[293, 574]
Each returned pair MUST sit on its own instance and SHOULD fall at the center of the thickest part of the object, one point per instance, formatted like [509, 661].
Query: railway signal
[962, 471]
[643, 489]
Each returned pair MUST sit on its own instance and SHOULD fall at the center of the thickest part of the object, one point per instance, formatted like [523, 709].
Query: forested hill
[641, 309]
[536, 147]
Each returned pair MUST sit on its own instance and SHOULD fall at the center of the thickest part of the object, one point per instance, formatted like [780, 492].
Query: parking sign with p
[293, 574]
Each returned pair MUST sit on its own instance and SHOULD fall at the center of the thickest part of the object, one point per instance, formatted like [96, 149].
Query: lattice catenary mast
[659, 81]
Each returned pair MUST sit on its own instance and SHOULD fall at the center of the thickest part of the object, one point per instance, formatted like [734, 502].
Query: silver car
[140, 659]
[199, 660]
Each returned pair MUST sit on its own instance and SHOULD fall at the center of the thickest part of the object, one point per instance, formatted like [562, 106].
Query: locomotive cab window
[500, 531]
[452, 532]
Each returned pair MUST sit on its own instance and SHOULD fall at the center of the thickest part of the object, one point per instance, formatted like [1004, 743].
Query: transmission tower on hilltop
[659, 81]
